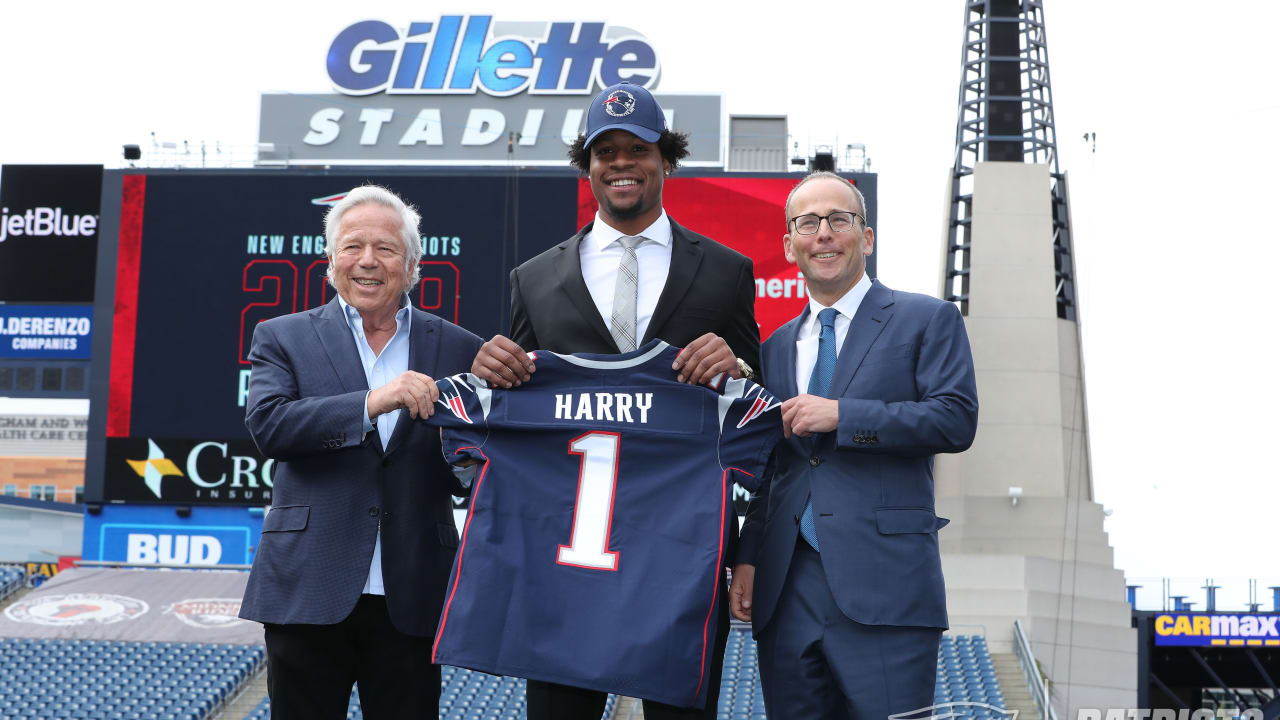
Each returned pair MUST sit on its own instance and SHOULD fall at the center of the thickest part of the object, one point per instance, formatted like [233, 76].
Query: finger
[517, 353]
[492, 371]
[515, 364]
[713, 367]
[687, 354]
[802, 424]
[416, 395]
[693, 365]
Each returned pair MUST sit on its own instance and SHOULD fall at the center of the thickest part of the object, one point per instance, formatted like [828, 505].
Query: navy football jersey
[592, 552]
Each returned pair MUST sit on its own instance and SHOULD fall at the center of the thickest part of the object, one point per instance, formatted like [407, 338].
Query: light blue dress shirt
[380, 369]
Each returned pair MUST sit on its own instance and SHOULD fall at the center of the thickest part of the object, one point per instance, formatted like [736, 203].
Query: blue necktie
[820, 384]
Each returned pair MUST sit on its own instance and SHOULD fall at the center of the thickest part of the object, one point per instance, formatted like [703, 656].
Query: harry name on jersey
[610, 406]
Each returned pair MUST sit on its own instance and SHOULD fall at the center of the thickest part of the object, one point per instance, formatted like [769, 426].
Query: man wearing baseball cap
[631, 275]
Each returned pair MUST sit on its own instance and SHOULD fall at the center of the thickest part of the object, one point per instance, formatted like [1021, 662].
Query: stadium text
[482, 126]
[1234, 629]
[44, 221]
[164, 548]
[372, 56]
[779, 288]
[1158, 714]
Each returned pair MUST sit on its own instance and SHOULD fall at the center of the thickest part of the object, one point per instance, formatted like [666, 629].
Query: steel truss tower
[1005, 113]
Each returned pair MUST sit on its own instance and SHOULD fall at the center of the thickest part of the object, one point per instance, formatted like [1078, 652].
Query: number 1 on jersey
[593, 510]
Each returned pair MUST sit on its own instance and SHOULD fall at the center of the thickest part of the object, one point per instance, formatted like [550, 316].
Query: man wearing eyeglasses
[838, 570]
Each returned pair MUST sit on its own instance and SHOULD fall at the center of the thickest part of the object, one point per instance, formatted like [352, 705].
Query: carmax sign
[1218, 629]
[469, 90]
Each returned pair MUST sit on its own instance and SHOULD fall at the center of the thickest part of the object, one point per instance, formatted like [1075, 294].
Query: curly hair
[674, 147]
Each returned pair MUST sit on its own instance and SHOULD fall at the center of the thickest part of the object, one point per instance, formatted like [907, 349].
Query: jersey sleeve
[462, 413]
[750, 425]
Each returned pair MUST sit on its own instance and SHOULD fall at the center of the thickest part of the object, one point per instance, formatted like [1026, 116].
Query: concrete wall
[1045, 560]
[39, 534]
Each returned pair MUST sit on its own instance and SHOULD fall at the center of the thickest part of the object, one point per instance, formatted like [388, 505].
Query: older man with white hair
[355, 552]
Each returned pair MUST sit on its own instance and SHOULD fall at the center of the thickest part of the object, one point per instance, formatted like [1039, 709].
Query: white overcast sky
[1175, 213]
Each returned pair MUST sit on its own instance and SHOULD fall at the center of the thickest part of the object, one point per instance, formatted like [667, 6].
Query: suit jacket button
[815, 461]
[797, 519]
[373, 511]
[386, 462]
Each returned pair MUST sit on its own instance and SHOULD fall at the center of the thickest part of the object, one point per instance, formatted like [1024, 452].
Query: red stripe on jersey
[757, 407]
[462, 546]
[715, 590]
[459, 408]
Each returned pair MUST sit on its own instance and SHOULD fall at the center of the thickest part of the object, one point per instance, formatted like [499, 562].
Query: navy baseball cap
[625, 107]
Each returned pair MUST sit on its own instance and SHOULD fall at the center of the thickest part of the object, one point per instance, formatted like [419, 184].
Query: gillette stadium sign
[466, 89]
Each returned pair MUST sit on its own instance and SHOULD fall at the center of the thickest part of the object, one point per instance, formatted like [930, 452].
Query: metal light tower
[1005, 114]
[1027, 541]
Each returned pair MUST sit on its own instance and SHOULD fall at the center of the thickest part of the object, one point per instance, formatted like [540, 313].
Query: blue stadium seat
[117, 680]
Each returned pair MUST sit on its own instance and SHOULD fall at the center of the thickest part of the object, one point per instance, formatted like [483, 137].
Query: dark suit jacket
[333, 488]
[904, 379]
[710, 288]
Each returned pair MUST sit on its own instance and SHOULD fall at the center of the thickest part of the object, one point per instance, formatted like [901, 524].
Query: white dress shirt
[807, 337]
[380, 369]
[601, 253]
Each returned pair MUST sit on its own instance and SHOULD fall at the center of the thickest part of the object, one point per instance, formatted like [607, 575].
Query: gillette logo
[465, 54]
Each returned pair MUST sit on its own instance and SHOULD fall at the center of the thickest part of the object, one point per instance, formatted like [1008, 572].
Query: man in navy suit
[355, 552]
[838, 569]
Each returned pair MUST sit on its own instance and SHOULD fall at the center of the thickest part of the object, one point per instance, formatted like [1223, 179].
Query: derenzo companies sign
[464, 89]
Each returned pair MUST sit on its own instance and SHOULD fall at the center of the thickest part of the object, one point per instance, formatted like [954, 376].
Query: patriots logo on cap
[620, 103]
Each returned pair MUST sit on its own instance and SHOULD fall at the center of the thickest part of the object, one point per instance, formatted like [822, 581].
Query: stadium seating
[115, 680]
[965, 674]
[464, 695]
[12, 578]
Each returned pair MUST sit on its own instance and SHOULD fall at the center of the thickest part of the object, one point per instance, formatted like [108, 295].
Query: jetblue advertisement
[48, 232]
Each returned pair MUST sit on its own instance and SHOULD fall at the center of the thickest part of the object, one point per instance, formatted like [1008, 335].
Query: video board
[191, 261]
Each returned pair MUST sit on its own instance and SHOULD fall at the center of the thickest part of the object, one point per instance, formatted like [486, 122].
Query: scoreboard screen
[190, 261]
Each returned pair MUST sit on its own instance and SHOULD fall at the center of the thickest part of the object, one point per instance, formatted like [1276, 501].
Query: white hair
[409, 220]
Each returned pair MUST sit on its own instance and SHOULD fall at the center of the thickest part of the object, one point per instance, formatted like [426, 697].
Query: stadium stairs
[1016, 694]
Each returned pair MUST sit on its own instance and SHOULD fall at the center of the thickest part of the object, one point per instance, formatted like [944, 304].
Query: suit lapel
[339, 346]
[422, 358]
[686, 255]
[868, 322]
[784, 358]
[569, 269]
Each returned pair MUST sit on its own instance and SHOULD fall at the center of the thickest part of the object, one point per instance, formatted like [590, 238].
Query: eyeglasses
[839, 222]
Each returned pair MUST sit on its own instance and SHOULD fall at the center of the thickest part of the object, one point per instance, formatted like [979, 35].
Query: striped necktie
[623, 322]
